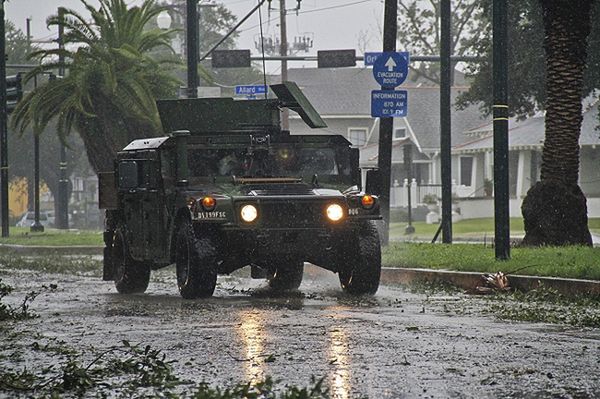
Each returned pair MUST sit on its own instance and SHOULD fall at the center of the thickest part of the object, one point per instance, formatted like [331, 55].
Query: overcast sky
[335, 24]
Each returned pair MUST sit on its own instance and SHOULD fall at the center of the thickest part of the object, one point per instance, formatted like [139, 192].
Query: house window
[400, 133]
[357, 136]
[77, 184]
[466, 170]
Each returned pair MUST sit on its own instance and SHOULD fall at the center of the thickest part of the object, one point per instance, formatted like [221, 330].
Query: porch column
[488, 166]
[523, 173]
[477, 174]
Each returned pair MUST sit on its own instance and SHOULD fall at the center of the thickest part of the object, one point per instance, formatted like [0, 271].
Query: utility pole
[62, 216]
[37, 226]
[386, 125]
[500, 108]
[445, 120]
[3, 128]
[192, 48]
[283, 51]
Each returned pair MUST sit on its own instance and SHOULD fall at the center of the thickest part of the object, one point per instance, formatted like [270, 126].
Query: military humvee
[228, 188]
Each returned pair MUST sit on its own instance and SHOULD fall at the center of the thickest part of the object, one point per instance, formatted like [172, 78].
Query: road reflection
[339, 359]
[252, 335]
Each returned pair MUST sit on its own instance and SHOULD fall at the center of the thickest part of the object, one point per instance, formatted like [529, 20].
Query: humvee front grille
[296, 214]
[283, 214]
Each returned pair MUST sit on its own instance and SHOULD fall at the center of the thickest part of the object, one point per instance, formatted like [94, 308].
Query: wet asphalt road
[397, 344]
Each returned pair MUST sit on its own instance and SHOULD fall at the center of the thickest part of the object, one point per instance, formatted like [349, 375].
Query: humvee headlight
[367, 201]
[335, 212]
[249, 213]
[209, 203]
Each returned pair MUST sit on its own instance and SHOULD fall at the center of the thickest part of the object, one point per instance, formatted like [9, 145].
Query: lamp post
[164, 20]
[410, 229]
[192, 48]
[62, 217]
[3, 128]
[36, 226]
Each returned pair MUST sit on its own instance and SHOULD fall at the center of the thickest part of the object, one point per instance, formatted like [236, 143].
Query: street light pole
[3, 129]
[192, 48]
[386, 125]
[283, 51]
[62, 217]
[37, 226]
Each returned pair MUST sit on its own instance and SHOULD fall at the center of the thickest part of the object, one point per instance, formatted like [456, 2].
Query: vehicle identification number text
[212, 215]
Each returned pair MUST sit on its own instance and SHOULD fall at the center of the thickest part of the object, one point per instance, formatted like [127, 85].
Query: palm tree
[555, 211]
[108, 95]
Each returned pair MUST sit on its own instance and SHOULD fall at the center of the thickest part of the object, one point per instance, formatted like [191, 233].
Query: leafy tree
[527, 61]
[17, 45]
[419, 33]
[109, 92]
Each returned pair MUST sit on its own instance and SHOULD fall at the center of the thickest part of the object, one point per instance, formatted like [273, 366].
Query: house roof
[347, 92]
[529, 133]
[369, 154]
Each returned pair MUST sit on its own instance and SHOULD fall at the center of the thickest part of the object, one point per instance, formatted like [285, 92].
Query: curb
[470, 280]
[47, 250]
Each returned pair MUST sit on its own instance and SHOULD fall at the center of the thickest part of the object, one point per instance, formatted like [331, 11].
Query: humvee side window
[150, 174]
[167, 163]
[128, 175]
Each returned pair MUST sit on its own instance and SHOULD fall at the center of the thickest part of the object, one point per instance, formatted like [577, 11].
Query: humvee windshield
[276, 161]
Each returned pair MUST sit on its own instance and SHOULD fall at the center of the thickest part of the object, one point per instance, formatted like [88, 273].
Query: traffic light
[14, 92]
[231, 59]
[336, 58]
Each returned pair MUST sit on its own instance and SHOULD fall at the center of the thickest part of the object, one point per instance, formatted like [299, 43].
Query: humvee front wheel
[361, 267]
[287, 275]
[196, 264]
[130, 277]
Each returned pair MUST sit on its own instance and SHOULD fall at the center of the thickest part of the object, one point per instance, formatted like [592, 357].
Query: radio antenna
[262, 47]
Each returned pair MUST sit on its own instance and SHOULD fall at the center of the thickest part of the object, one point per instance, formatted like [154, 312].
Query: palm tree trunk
[555, 211]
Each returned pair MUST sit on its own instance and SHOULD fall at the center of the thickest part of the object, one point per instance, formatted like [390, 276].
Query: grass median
[52, 237]
[567, 262]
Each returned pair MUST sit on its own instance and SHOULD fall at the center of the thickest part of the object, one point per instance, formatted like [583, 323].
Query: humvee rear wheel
[361, 266]
[287, 276]
[196, 264]
[130, 277]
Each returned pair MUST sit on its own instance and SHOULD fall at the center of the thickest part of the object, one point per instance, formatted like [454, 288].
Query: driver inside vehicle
[232, 163]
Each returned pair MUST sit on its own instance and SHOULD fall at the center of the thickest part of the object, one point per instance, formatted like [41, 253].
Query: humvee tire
[362, 268]
[287, 276]
[130, 277]
[196, 264]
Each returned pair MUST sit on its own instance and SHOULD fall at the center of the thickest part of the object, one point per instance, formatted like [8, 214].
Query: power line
[311, 11]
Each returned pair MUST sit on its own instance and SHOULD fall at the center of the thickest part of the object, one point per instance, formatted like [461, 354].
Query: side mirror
[374, 183]
[128, 175]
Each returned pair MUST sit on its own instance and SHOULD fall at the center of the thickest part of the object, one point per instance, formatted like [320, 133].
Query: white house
[526, 139]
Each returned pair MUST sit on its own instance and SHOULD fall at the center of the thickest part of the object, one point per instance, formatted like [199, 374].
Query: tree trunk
[555, 211]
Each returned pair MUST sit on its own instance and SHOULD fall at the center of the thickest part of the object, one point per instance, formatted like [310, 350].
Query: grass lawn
[52, 237]
[568, 262]
[471, 228]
